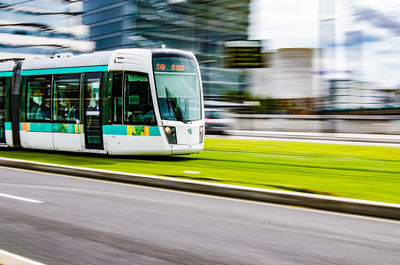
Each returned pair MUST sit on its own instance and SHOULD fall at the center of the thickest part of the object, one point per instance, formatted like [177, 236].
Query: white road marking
[270, 204]
[9, 258]
[19, 198]
[191, 172]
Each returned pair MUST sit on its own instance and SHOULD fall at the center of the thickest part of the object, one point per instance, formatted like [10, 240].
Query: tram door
[2, 109]
[92, 111]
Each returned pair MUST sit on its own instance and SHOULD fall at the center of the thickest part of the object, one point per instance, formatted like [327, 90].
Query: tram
[121, 102]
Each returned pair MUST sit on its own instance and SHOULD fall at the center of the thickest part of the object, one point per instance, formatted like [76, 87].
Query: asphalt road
[79, 221]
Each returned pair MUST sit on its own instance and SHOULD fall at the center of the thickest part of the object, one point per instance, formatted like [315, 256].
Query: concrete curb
[344, 205]
[8, 258]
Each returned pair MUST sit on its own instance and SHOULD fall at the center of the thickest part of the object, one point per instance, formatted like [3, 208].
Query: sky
[295, 24]
[286, 23]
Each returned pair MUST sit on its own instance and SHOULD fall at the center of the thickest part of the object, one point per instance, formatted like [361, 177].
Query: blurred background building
[42, 27]
[200, 26]
[288, 78]
[359, 58]
[341, 74]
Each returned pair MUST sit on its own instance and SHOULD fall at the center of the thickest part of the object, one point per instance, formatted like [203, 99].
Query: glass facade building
[42, 27]
[200, 26]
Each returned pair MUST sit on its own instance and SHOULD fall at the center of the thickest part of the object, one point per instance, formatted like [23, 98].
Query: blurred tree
[238, 96]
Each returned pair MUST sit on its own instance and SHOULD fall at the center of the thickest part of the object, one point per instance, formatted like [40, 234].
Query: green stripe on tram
[36, 127]
[8, 125]
[115, 130]
[6, 74]
[51, 127]
[132, 130]
[154, 131]
[67, 70]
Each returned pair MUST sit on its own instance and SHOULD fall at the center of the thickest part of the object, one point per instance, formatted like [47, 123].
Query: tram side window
[38, 98]
[66, 97]
[2, 92]
[117, 98]
[138, 105]
[2, 107]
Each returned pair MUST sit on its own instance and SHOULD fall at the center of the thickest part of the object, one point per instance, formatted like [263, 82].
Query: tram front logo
[190, 131]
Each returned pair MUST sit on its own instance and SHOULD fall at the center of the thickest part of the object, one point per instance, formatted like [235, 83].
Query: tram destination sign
[174, 64]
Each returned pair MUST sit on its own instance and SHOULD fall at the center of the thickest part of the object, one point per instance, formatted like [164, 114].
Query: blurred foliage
[238, 96]
[257, 105]
[271, 105]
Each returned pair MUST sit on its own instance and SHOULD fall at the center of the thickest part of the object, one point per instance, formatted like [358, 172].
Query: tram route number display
[172, 67]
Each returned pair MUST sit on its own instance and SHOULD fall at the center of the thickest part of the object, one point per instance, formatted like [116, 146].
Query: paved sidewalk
[353, 137]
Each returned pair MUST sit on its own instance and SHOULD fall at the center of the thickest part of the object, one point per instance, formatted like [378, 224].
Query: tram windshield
[178, 88]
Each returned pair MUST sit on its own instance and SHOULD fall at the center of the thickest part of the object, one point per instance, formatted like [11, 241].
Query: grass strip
[352, 171]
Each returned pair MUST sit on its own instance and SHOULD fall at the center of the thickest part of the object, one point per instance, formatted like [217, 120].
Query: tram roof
[101, 58]
[66, 60]
[7, 66]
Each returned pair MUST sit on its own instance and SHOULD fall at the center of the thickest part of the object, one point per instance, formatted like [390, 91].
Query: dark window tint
[66, 97]
[2, 108]
[38, 98]
[117, 98]
[2, 92]
[92, 110]
[138, 105]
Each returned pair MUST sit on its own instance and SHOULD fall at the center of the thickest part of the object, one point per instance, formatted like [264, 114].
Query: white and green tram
[122, 102]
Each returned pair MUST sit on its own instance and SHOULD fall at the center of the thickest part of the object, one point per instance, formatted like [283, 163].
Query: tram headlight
[201, 134]
[170, 132]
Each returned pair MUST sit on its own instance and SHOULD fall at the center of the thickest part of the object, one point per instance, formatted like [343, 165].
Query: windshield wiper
[173, 103]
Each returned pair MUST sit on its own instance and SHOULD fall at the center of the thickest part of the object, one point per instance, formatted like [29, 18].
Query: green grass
[361, 172]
